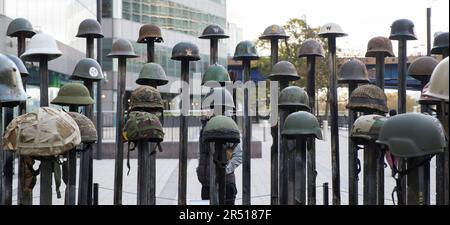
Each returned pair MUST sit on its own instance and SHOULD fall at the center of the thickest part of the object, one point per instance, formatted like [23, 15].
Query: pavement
[167, 177]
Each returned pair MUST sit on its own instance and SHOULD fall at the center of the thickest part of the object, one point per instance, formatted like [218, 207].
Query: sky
[361, 19]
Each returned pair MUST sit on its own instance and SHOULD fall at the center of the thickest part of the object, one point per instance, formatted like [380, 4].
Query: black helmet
[402, 28]
[20, 26]
[440, 42]
[353, 71]
[213, 31]
[185, 51]
[90, 28]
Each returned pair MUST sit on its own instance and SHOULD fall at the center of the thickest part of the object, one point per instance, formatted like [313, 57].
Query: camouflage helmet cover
[366, 128]
[145, 98]
[86, 127]
[143, 126]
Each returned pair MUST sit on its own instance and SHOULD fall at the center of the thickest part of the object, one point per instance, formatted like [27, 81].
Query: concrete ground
[167, 177]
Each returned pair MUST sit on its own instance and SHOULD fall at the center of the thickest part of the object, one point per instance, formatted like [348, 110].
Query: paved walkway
[167, 176]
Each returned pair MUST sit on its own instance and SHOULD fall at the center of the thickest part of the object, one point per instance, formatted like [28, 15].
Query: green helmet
[283, 71]
[245, 50]
[301, 124]
[311, 47]
[221, 128]
[22, 69]
[422, 68]
[87, 69]
[214, 98]
[353, 71]
[19, 27]
[368, 98]
[412, 135]
[73, 94]
[90, 28]
[86, 127]
[11, 87]
[45, 132]
[146, 98]
[216, 73]
[122, 48]
[293, 97]
[152, 74]
[367, 128]
[143, 126]
[185, 51]
[274, 32]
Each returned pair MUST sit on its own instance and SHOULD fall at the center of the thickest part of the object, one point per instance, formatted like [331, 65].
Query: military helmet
[87, 69]
[402, 29]
[19, 27]
[440, 42]
[152, 74]
[45, 132]
[214, 99]
[90, 28]
[146, 98]
[331, 29]
[274, 32]
[379, 45]
[366, 128]
[73, 94]
[301, 124]
[148, 32]
[87, 129]
[283, 71]
[245, 50]
[412, 135]
[213, 31]
[122, 48]
[422, 68]
[41, 45]
[311, 47]
[143, 126]
[215, 73]
[11, 87]
[439, 81]
[293, 97]
[19, 64]
[185, 51]
[425, 99]
[353, 71]
[368, 98]
[221, 129]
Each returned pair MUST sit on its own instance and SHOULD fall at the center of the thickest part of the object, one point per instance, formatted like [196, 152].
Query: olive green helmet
[143, 126]
[274, 32]
[245, 50]
[146, 98]
[73, 94]
[22, 69]
[152, 74]
[20, 27]
[221, 129]
[213, 31]
[368, 98]
[422, 68]
[440, 43]
[283, 71]
[366, 128]
[11, 87]
[149, 32]
[45, 132]
[311, 47]
[412, 135]
[185, 51]
[293, 97]
[215, 73]
[90, 28]
[379, 45]
[214, 99]
[87, 129]
[87, 69]
[301, 124]
[122, 48]
[402, 29]
[353, 71]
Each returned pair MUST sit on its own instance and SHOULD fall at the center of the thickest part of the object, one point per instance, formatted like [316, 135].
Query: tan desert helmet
[45, 132]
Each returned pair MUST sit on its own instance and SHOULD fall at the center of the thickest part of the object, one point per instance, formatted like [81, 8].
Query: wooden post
[274, 195]
[220, 172]
[311, 142]
[143, 173]
[352, 154]
[183, 144]
[213, 194]
[72, 164]
[247, 139]
[370, 166]
[300, 170]
[118, 169]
